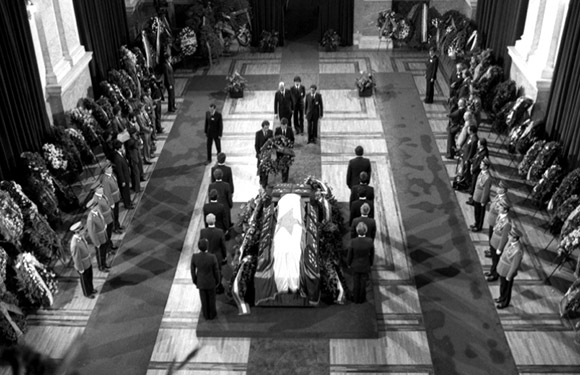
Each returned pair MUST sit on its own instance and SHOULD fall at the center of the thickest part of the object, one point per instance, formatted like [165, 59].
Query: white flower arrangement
[36, 289]
[3, 263]
[11, 220]
[54, 156]
[188, 41]
[570, 242]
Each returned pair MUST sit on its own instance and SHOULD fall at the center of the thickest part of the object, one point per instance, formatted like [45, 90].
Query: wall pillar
[534, 55]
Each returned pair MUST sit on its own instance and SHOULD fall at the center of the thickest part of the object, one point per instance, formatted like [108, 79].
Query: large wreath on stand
[269, 162]
[37, 283]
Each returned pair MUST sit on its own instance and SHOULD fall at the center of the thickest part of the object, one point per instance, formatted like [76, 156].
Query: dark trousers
[299, 119]
[474, 181]
[312, 130]
[87, 281]
[451, 134]
[218, 146]
[479, 214]
[116, 224]
[158, 117]
[125, 195]
[135, 176]
[171, 98]
[102, 255]
[429, 91]
[360, 286]
[208, 308]
[494, 261]
[505, 290]
[285, 173]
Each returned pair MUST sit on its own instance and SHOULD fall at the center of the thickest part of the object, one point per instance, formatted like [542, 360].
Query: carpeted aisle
[121, 333]
[462, 324]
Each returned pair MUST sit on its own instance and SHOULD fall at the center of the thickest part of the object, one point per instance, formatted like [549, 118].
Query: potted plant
[365, 84]
[330, 40]
[268, 41]
[236, 85]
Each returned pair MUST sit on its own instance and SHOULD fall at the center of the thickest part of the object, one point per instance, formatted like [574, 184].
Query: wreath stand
[564, 258]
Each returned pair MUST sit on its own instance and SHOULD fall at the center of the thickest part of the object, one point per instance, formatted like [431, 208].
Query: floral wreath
[269, 162]
[393, 25]
[188, 41]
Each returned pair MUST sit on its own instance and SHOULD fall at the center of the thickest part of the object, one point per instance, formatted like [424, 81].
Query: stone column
[534, 55]
[65, 61]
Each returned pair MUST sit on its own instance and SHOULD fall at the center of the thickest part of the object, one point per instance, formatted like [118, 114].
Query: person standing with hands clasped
[431, 75]
[205, 275]
[508, 267]
[81, 257]
[298, 94]
[214, 127]
[283, 107]
[481, 195]
[361, 254]
[314, 111]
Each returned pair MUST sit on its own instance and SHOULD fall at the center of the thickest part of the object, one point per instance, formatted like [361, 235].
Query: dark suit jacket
[355, 167]
[218, 209]
[432, 66]
[261, 139]
[224, 193]
[217, 242]
[355, 209]
[313, 106]
[370, 223]
[469, 147]
[361, 254]
[227, 175]
[283, 104]
[369, 190]
[454, 83]
[121, 169]
[214, 125]
[298, 95]
[289, 133]
[205, 271]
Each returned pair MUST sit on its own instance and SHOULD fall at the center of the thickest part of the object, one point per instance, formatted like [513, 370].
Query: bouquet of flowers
[36, 281]
[84, 121]
[235, 82]
[86, 154]
[11, 221]
[128, 60]
[570, 304]
[570, 242]
[569, 186]
[330, 40]
[39, 187]
[487, 83]
[562, 214]
[3, 263]
[518, 110]
[365, 81]
[188, 41]
[386, 23]
[530, 157]
[572, 222]
[122, 79]
[54, 157]
[526, 138]
[498, 125]
[71, 154]
[547, 184]
[98, 114]
[27, 207]
[284, 146]
[545, 158]
[268, 41]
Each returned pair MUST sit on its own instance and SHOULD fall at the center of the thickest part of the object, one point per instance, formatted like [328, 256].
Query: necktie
[284, 132]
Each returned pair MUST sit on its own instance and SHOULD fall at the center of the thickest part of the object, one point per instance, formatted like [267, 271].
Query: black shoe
[91, 296]
[427, 102]
[491, 278]
[104, 269]
[487, 254]
[487, 274]
[498, 300]
[130, 207]
[501, 306]
[470, 202]
[146, 163]
[450, 157]
[114, 247]
[475, 229]
[160, 131]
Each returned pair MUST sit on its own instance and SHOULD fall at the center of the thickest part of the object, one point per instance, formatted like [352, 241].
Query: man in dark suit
[363, 185]
[469, 149]
[365, 209]
[218, 209]
[314, 110]
[298, 93]
[454, 126]
[205, 275]
[261, 137]
[431, 75]
[355, 207]
[217, 244]
[169, 80]
[214, 127]
[224, 193]
[287, 132]
[356, 166]
[455, 81]
[226, 171]
[360, 258]
[283, 103]
[123, 173]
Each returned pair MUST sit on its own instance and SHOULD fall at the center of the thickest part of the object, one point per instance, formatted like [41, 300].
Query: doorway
[301, 21]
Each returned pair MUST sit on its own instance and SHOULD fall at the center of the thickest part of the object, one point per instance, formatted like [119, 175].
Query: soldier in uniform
[97, 229]
[81, 257]
[113, 194]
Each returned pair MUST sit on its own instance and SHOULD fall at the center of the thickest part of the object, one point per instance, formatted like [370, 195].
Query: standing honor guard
[314, 111]
[97, 228]
[298, 94]
[213, 130]
[113, 194]
[81, 257]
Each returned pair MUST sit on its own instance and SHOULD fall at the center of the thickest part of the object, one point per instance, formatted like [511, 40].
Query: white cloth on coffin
[287, 243]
